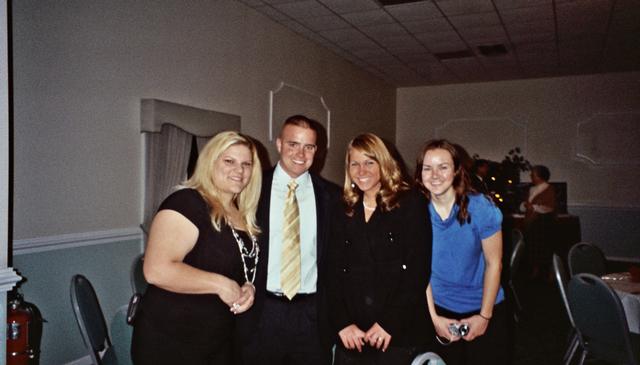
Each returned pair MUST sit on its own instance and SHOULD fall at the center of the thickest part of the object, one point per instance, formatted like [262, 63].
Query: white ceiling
[400, 43]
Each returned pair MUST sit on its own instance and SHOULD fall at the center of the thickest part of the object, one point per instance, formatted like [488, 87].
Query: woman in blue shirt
[464, 292]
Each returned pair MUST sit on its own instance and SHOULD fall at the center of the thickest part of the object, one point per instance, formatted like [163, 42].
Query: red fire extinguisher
[24, 331]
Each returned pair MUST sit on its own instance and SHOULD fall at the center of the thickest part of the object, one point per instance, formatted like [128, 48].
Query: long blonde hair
[391, 181]
[202, 181]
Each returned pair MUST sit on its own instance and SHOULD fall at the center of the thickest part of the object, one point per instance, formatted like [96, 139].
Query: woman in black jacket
[381, 261]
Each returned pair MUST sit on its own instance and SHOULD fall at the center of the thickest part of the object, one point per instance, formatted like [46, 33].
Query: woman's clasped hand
[244, 296]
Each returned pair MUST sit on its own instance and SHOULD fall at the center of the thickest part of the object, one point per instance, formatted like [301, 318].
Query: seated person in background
[540, 209]
[480, 172]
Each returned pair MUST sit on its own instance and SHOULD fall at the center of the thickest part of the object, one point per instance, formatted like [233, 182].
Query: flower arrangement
[512, 165]
[515, 160]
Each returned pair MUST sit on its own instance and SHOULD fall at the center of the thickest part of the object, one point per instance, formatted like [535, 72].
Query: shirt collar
[280, 177]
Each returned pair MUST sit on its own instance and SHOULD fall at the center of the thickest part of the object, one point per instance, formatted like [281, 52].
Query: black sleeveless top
[200, 318]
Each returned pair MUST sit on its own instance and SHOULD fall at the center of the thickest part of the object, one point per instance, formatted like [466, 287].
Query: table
[566, 233]
[629, 293]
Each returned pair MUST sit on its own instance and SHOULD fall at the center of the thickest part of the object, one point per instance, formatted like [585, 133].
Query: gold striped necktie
[290, 263]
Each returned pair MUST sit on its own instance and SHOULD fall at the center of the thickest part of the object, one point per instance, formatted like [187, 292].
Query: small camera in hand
[458, 330]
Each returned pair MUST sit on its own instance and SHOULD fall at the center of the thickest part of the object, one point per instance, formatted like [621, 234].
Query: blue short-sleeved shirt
[457, 266]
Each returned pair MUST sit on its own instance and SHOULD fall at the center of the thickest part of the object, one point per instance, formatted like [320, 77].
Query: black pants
[152, 347]
[490, 348]
[287, 334]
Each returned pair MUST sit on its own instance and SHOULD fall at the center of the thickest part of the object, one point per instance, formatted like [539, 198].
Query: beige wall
[81, 68]
[542, 117]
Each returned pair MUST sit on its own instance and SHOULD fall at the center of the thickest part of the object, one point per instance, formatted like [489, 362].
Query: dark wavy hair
[461, 182]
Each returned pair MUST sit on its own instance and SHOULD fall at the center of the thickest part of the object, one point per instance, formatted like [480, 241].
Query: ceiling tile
[593, 42]
[417, 58]
[359, 43]
[524, 38]
[462, 63]
[350, 6]
[272, 13]
[438, 37]
[297, 27]
[400, 43]
[348, 35]
[414, 11]
[538, 47]
[496, 62]
[404, 76]
[485, 35]
[326, 22]
[582, 17]
[621, 25]
[438, 47]
[514, 4]
[303, 9]
[277, 1]
[475, 20]
[386, 61]
[252, 3]
[537, 70]
[505, 73]
[543, 26]
[529, 15]
[548, 59]
[457, 7]
[431, 25]
[383, 30]
[367, 53]
[371, 17]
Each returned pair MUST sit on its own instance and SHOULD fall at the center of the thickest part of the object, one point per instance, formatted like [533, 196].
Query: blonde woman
[200, 259]
[381, 257]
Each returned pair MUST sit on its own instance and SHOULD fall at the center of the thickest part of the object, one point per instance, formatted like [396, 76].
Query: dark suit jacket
[380, 270]
[327, 196]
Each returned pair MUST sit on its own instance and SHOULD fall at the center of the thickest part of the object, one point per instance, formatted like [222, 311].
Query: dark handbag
[393, 356]
[397, 356]
[133, 308]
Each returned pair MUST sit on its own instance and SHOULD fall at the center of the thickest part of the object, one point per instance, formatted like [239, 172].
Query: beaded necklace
[246, 253]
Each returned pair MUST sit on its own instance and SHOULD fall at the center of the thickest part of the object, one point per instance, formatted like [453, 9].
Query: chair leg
[571, 350]
[515, 296]
[518, 307]
[583, 356]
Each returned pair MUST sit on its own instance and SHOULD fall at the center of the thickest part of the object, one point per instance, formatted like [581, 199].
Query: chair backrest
[88, 313]
[562, 281]
[138, 282]
[585, 257]
[599, 316]
[517, 252]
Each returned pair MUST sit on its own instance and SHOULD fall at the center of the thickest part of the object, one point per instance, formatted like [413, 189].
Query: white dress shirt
[308, 230]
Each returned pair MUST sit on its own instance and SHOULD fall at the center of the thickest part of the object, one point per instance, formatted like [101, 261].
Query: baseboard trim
[74, 240]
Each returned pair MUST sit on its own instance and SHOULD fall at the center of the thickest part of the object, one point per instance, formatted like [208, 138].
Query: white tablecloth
[629, 293]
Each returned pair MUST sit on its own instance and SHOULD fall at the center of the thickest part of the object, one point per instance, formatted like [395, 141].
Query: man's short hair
[298, 120]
